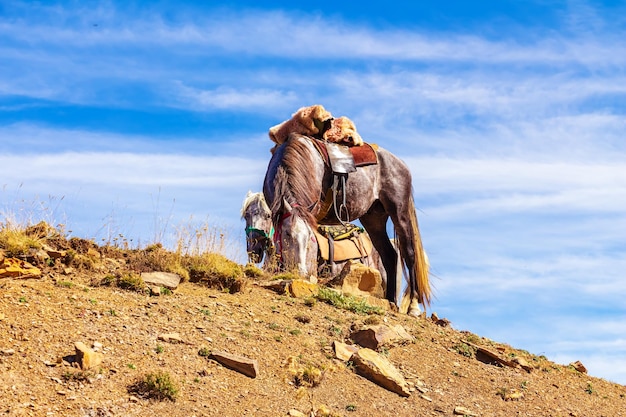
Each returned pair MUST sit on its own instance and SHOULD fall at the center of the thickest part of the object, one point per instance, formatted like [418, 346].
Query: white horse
[259, 230]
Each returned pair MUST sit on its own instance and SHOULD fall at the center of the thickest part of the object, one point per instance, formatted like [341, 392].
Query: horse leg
[403, 218]
[375, 223]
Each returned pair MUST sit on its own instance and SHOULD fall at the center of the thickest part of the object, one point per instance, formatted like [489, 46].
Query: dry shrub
[216, 271]
[15, 241]
[308, 375]
[157, 258]
[158, 385]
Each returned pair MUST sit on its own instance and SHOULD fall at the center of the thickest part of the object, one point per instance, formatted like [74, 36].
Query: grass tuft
[350, 303]
[157, 385]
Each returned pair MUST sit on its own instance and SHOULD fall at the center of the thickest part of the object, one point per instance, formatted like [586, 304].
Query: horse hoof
[414, 309]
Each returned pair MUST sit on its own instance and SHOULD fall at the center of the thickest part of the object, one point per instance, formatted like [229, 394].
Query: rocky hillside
[83, 335]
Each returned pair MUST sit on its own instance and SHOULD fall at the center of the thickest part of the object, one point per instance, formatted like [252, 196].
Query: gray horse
[297, 179]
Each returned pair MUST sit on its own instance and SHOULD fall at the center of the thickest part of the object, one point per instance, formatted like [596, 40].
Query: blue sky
[139, 118]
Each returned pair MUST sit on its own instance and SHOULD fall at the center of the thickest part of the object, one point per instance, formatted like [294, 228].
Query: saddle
[342, 242]
[343, 160]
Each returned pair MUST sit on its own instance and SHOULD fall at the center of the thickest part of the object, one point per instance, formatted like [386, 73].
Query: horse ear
[287, 206]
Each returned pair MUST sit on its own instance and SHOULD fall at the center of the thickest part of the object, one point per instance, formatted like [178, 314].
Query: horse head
[259, 229]
[295, 241]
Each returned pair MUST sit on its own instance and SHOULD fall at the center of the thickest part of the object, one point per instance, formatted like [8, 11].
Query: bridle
[254, 235]
[278, 239]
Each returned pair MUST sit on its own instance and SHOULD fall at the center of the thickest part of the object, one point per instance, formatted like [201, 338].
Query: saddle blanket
[355, 247]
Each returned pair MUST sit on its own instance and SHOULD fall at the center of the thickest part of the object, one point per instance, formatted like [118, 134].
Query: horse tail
[421, 265]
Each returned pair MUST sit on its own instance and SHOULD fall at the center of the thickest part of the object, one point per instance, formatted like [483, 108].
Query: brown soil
[41, 319]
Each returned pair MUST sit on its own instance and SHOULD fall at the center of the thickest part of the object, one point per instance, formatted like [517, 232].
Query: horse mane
[253, 198]
[293, 184]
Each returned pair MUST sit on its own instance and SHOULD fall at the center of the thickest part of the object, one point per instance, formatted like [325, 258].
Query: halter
[263, 233]
[254, 235]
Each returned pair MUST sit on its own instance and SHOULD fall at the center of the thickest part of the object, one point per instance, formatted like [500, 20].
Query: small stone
[300, 288]
[523, 364]
[578, 365]
[161, 279]
[295, 413]
[513, 395]
[343, 351]
[7, 352]
[462, 411]
[170, 338]
[248, 367]
[85, 357]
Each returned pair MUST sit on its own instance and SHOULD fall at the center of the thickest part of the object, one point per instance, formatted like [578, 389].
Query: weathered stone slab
[17, 268]
[374, 337]
[379, 370]
[248, 367]
[162, 279]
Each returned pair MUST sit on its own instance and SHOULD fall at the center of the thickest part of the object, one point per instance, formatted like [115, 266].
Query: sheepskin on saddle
[342, 242]
[317, 122]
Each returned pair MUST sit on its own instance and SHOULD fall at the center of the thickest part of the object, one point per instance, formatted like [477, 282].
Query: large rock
[374, 337]
[379, 370]
[17, 268]
[359, 280]
[162, 279]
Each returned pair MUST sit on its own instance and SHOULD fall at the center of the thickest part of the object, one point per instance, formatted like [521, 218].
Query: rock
[17, 268]
[7, 352]
[170, 338]
[438, 321]
[343, 351]
[86, 357]
[359, 280]
[279, 286]
[161, 279]
[374, 337]
[379, 370]
[300, 288]
[513, 395]
[381, 303]
[523, 364]
[578, 365]
[155, 291]
[53, 253]
[489, 357]
[295, 413]
[462, 411]
[248, 367]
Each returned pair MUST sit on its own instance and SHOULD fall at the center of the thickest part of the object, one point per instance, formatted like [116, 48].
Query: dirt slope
[41, 319]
